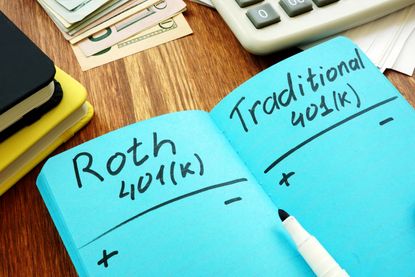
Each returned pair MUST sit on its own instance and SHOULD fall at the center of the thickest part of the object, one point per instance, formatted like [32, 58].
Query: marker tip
[283, 214]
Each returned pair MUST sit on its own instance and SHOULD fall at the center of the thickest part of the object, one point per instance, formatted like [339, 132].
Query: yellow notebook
[25, 149]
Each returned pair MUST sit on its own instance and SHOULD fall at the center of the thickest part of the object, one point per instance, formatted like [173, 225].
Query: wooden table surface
[194, 72]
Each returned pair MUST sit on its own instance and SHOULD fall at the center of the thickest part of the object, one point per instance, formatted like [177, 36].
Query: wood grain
[191, 73]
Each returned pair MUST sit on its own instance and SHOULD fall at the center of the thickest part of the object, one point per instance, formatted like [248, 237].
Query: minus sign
[227, 202]
[387, 120]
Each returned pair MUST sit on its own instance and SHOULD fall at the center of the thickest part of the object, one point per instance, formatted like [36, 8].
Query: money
[102, 11]
[102, 31]
[65, 27]
[115, 10]
[72, 16]
[57, 19]
[131, 26]
[207, 3]
[163, 32]
[106, 22]
[72, 4]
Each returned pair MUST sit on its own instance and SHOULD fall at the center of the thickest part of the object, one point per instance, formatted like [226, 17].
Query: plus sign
[284, 179]
[106, 257]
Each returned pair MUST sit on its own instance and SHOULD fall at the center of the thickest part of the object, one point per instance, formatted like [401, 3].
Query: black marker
[320, 261]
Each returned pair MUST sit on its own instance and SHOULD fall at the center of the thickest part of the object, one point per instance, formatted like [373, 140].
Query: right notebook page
[331, 140]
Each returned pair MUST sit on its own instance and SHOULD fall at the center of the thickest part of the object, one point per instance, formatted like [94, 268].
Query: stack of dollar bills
[101, 31]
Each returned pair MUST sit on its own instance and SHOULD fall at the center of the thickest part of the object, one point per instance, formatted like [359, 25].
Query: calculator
[266, 26]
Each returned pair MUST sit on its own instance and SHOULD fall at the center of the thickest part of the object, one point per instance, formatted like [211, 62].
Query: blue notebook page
[332, 141]
[167, 196]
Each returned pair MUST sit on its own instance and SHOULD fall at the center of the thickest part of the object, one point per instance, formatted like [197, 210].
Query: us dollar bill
[163, 32]
[139, 22]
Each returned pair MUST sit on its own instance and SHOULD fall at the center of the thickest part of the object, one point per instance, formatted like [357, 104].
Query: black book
[26, 78]
[35, 114]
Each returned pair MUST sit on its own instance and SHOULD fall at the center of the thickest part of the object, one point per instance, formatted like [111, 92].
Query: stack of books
[101, 31]
[40, 105]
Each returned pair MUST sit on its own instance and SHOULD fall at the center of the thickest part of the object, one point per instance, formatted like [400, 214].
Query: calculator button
[246, 3]
[296, 7]
[263, 16]
[321, 3]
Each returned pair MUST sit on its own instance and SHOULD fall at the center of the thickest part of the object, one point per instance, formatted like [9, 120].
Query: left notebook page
[167, 196]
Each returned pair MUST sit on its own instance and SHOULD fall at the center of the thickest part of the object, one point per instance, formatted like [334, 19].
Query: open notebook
[322, 134]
